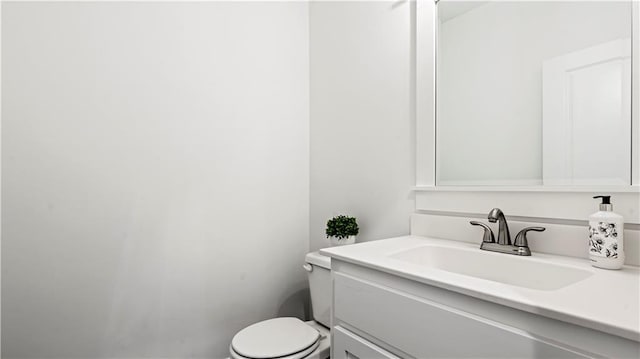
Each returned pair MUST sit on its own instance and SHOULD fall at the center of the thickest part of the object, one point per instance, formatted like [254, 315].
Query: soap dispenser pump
[606, 230]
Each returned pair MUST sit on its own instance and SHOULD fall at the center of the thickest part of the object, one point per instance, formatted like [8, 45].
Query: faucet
[496, 215]
[519, 247]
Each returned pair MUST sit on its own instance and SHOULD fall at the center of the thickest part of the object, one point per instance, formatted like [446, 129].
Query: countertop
[608, 300]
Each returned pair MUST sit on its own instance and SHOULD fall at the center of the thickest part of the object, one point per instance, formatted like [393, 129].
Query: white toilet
[291, 338]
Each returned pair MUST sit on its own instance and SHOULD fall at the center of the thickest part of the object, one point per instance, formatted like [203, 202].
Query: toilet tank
[319, 271]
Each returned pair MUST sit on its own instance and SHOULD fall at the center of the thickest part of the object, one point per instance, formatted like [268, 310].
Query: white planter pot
[335, 241]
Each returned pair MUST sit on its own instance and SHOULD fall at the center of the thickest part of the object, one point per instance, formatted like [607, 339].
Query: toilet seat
[283, 338]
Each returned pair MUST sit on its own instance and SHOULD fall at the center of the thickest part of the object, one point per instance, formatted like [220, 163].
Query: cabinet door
[426, 329]
[347, 345]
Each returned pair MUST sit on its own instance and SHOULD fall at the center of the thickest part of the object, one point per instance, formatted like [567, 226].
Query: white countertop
[608, 300]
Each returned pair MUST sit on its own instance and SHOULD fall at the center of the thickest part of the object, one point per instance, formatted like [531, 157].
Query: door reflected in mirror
[534, 93]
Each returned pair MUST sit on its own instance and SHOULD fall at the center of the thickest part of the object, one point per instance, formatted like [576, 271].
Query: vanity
[423, 297]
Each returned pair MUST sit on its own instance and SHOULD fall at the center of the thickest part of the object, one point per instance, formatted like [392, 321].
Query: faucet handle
[521, 238]
[488, 233]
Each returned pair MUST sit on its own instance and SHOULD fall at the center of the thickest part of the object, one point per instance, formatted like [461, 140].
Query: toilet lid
[274, 338]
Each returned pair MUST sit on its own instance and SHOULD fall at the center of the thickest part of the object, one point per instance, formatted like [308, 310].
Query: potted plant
[342, 230]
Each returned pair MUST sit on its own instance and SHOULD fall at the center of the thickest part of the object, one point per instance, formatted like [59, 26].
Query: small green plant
[342, 227]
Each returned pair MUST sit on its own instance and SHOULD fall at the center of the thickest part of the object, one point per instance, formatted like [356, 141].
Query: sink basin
[518, 271]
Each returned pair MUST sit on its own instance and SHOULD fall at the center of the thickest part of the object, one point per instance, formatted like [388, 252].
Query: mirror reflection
[534, 93]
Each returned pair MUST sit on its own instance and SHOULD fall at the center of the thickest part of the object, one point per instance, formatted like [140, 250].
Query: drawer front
[425, 329]
[347, 345]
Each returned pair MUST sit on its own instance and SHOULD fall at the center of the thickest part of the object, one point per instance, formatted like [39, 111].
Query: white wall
[155, 172]
[362, 129]
[490, 60]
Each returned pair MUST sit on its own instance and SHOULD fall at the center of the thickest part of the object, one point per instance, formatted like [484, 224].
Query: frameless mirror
[533, 93]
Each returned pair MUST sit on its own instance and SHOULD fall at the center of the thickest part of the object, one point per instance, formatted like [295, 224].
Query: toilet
[291, 338]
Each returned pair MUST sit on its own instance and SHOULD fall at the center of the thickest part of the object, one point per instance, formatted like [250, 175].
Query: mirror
[533, 93]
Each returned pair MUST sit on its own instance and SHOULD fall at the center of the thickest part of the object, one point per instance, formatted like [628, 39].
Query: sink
[513, 270]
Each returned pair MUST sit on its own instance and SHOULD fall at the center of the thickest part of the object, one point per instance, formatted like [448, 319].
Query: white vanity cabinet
[381, 315]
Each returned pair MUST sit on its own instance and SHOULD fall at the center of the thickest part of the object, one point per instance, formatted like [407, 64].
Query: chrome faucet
[496, 215]
[519, 247]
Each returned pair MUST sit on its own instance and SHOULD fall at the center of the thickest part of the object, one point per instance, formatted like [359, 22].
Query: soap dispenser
[606, 230]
